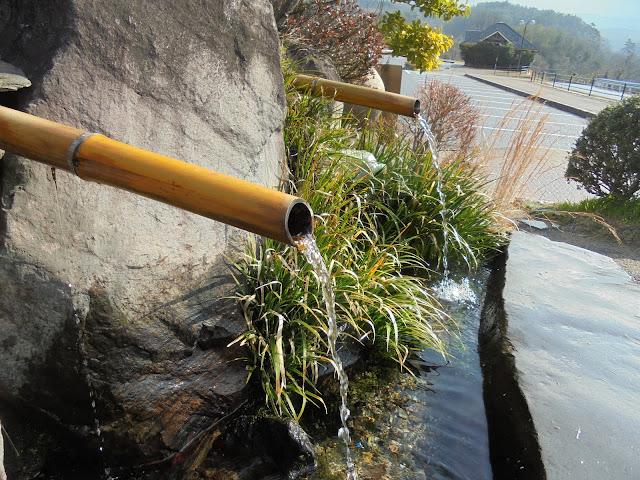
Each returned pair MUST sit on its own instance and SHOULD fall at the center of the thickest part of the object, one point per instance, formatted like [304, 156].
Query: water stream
[447, 288]
[307, 245]
[431, 425]
[431, 142]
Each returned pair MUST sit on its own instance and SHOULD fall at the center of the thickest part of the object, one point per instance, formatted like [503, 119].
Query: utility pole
[522, 22]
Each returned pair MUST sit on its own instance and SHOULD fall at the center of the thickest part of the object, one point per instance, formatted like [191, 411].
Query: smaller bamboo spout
[97, 158]
[367, 97]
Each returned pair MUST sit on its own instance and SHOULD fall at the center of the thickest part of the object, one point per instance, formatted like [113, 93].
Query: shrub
[451, 116]
[484, 55]
[606, 158]
[405, 202]
[340, 30]
[519, 165]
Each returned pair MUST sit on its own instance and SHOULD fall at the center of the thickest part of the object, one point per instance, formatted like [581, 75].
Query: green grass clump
[618, 210]
[406, 203]
[376, 229]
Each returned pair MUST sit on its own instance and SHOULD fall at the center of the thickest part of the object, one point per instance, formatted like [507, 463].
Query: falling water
[448, 288]
[307, 245]
[80, 308]
[431, 141]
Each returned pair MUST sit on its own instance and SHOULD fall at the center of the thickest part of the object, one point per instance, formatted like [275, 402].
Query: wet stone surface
[574, 327]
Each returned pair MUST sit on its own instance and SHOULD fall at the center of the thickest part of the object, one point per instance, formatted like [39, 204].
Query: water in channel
[427, 425]
[307, 245]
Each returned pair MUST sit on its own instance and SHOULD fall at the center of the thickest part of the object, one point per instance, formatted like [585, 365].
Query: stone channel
[560, 347]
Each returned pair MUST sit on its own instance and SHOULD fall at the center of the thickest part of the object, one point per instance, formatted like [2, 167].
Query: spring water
[307, 245]
[448, 288]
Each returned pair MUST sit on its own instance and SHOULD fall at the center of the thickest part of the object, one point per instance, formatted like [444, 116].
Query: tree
[629, 47]
[606, 158]
[625, 66]
[421, 43]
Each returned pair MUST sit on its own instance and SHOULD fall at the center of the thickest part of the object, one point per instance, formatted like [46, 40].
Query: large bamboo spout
[97, 158]
[367, 97]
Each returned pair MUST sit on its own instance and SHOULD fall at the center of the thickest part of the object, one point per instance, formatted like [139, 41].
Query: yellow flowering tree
[421, 43]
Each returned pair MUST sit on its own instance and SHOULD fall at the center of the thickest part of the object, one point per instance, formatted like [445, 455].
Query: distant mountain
[616, 31]
[566, 43]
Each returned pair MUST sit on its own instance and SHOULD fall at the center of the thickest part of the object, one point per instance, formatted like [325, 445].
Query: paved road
[502, 118]
[562, 130]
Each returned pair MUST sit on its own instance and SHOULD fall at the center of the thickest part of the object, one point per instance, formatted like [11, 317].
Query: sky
[617, 20]
[610, 8]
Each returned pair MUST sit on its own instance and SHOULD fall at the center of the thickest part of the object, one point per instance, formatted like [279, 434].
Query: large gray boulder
[144, 328]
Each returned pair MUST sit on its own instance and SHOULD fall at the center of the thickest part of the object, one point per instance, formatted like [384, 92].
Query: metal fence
[510, 69]
[601, 87]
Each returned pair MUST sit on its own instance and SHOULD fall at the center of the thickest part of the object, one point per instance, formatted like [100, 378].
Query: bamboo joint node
[72, 161]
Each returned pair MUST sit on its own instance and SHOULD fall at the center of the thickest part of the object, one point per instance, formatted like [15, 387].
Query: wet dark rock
[198, 81]
[282, 441]
[281, 8]
[309, 61]
[213, 336]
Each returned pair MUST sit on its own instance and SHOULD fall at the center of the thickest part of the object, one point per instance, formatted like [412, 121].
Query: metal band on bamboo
[72, 162]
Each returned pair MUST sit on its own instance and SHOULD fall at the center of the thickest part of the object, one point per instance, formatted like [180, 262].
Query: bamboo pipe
[97, 158]
[368, 97]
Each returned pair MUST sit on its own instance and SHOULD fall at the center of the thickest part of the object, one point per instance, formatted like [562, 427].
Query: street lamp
[522, 22]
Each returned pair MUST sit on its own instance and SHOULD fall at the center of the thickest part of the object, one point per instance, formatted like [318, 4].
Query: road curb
[561, 106]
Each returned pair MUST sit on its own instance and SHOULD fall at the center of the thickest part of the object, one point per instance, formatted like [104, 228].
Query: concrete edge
[514, 449]
[561, 106]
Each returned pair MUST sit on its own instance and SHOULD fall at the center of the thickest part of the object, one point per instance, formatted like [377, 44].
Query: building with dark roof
[500, 34]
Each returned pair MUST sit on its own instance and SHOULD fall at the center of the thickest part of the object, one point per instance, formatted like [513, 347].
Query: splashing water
[431, 141]
[448, 288]
[307, 245]
[458, 292]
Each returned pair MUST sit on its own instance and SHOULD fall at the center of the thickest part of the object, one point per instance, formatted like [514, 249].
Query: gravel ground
[586, 234]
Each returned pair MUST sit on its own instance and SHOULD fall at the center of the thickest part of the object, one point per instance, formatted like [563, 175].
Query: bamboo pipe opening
[358, 95]
[299, 220]
[264, 211]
